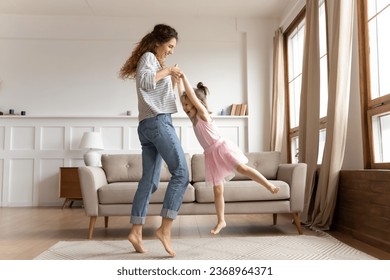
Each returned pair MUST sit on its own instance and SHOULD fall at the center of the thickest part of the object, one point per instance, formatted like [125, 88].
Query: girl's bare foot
[274, 189]
[137, 243]
[218, 227]
[165, 239]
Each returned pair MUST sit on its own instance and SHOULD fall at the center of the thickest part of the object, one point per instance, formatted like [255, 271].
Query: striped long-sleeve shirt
[153, 97]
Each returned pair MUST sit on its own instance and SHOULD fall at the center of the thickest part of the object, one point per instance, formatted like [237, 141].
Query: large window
[374, 45]
[294, 42]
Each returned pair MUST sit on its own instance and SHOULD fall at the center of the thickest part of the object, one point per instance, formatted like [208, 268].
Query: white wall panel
[231, 133]
[22, 138]
[113, 138]
[53, 138]
[1, 181]
[2, 135]
[190, 141]
[48, 182]
[21, 178]
[133, 141]
[76, 162]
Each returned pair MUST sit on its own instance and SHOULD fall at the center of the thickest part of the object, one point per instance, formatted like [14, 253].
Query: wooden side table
[69, 185]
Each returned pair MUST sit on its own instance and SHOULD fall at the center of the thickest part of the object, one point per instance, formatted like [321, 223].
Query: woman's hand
[175, 72]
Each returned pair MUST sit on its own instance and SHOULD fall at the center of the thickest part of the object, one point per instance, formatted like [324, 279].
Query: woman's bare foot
[165, 239]
[137, 243]
[218, 227]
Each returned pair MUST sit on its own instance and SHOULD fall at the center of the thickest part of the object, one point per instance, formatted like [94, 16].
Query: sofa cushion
[122, 167]
[267, 163]
[123, 193]
[128, 168]
[236, 191]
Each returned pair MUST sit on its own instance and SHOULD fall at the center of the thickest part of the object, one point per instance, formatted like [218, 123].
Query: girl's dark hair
[201, 92]
[161, 34]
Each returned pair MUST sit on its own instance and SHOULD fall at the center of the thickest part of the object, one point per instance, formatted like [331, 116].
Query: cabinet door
[69, 182]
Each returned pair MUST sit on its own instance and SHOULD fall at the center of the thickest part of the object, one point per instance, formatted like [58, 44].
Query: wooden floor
[27, 232]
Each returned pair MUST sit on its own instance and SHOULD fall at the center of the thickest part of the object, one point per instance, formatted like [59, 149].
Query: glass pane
[381, 4]
[383, 51]
[323, 86]
[381, 137]
[290, 55]
[322, 30]
[301, 42]
[371, 8]
[294, 149]
[321, 145]
[323, 61]
[295, 56]
[375, 6]
[295, 100]
[372, 25]
[379, 54]
[295, 52]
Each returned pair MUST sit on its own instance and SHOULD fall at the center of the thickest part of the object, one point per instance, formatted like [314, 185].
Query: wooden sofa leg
[275, 218]
[92, 222]
[297, 222]
[106, 221]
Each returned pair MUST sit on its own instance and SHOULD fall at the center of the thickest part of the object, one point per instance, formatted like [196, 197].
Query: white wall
[63, 71]
[59, 65]
[259, 66]
[67, 66]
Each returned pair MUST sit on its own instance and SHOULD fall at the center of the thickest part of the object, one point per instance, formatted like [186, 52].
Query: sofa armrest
[295, 176]
[91, 179]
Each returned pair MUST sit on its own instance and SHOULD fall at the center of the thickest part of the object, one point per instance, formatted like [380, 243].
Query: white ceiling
[124, 8]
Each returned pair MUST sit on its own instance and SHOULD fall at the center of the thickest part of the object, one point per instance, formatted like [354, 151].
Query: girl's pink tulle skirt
[221, 159]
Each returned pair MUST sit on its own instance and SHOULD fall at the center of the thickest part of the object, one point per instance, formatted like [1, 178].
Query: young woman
[156, 103]
[222, 157]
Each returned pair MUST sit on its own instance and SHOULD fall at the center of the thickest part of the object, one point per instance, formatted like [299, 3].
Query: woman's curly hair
[161, 34]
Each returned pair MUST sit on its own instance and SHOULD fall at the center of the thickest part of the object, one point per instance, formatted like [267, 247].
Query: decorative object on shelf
[11, 111]
[92, 141]
[23, 113]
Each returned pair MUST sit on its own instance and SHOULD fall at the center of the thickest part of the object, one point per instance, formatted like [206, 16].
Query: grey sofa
[109, 190]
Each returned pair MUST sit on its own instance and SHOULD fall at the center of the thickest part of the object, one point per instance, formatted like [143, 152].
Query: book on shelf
[244, 108]
[239, 109]
[233, 109]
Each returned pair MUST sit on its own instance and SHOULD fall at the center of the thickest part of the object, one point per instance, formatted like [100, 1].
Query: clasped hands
[175, 72]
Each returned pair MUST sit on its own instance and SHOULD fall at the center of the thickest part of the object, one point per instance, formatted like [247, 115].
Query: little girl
[222, 157]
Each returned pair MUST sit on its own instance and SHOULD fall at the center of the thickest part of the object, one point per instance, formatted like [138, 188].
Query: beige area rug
[285, 247]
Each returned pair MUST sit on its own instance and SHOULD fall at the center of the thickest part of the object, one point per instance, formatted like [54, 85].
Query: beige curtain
[310, 103]
[340, 30]
[278, 109]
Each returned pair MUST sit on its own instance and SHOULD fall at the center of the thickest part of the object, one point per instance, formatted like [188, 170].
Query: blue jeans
[159, 142]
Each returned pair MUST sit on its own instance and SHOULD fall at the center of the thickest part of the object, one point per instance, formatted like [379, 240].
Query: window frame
[293, 132]
[369, 107]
